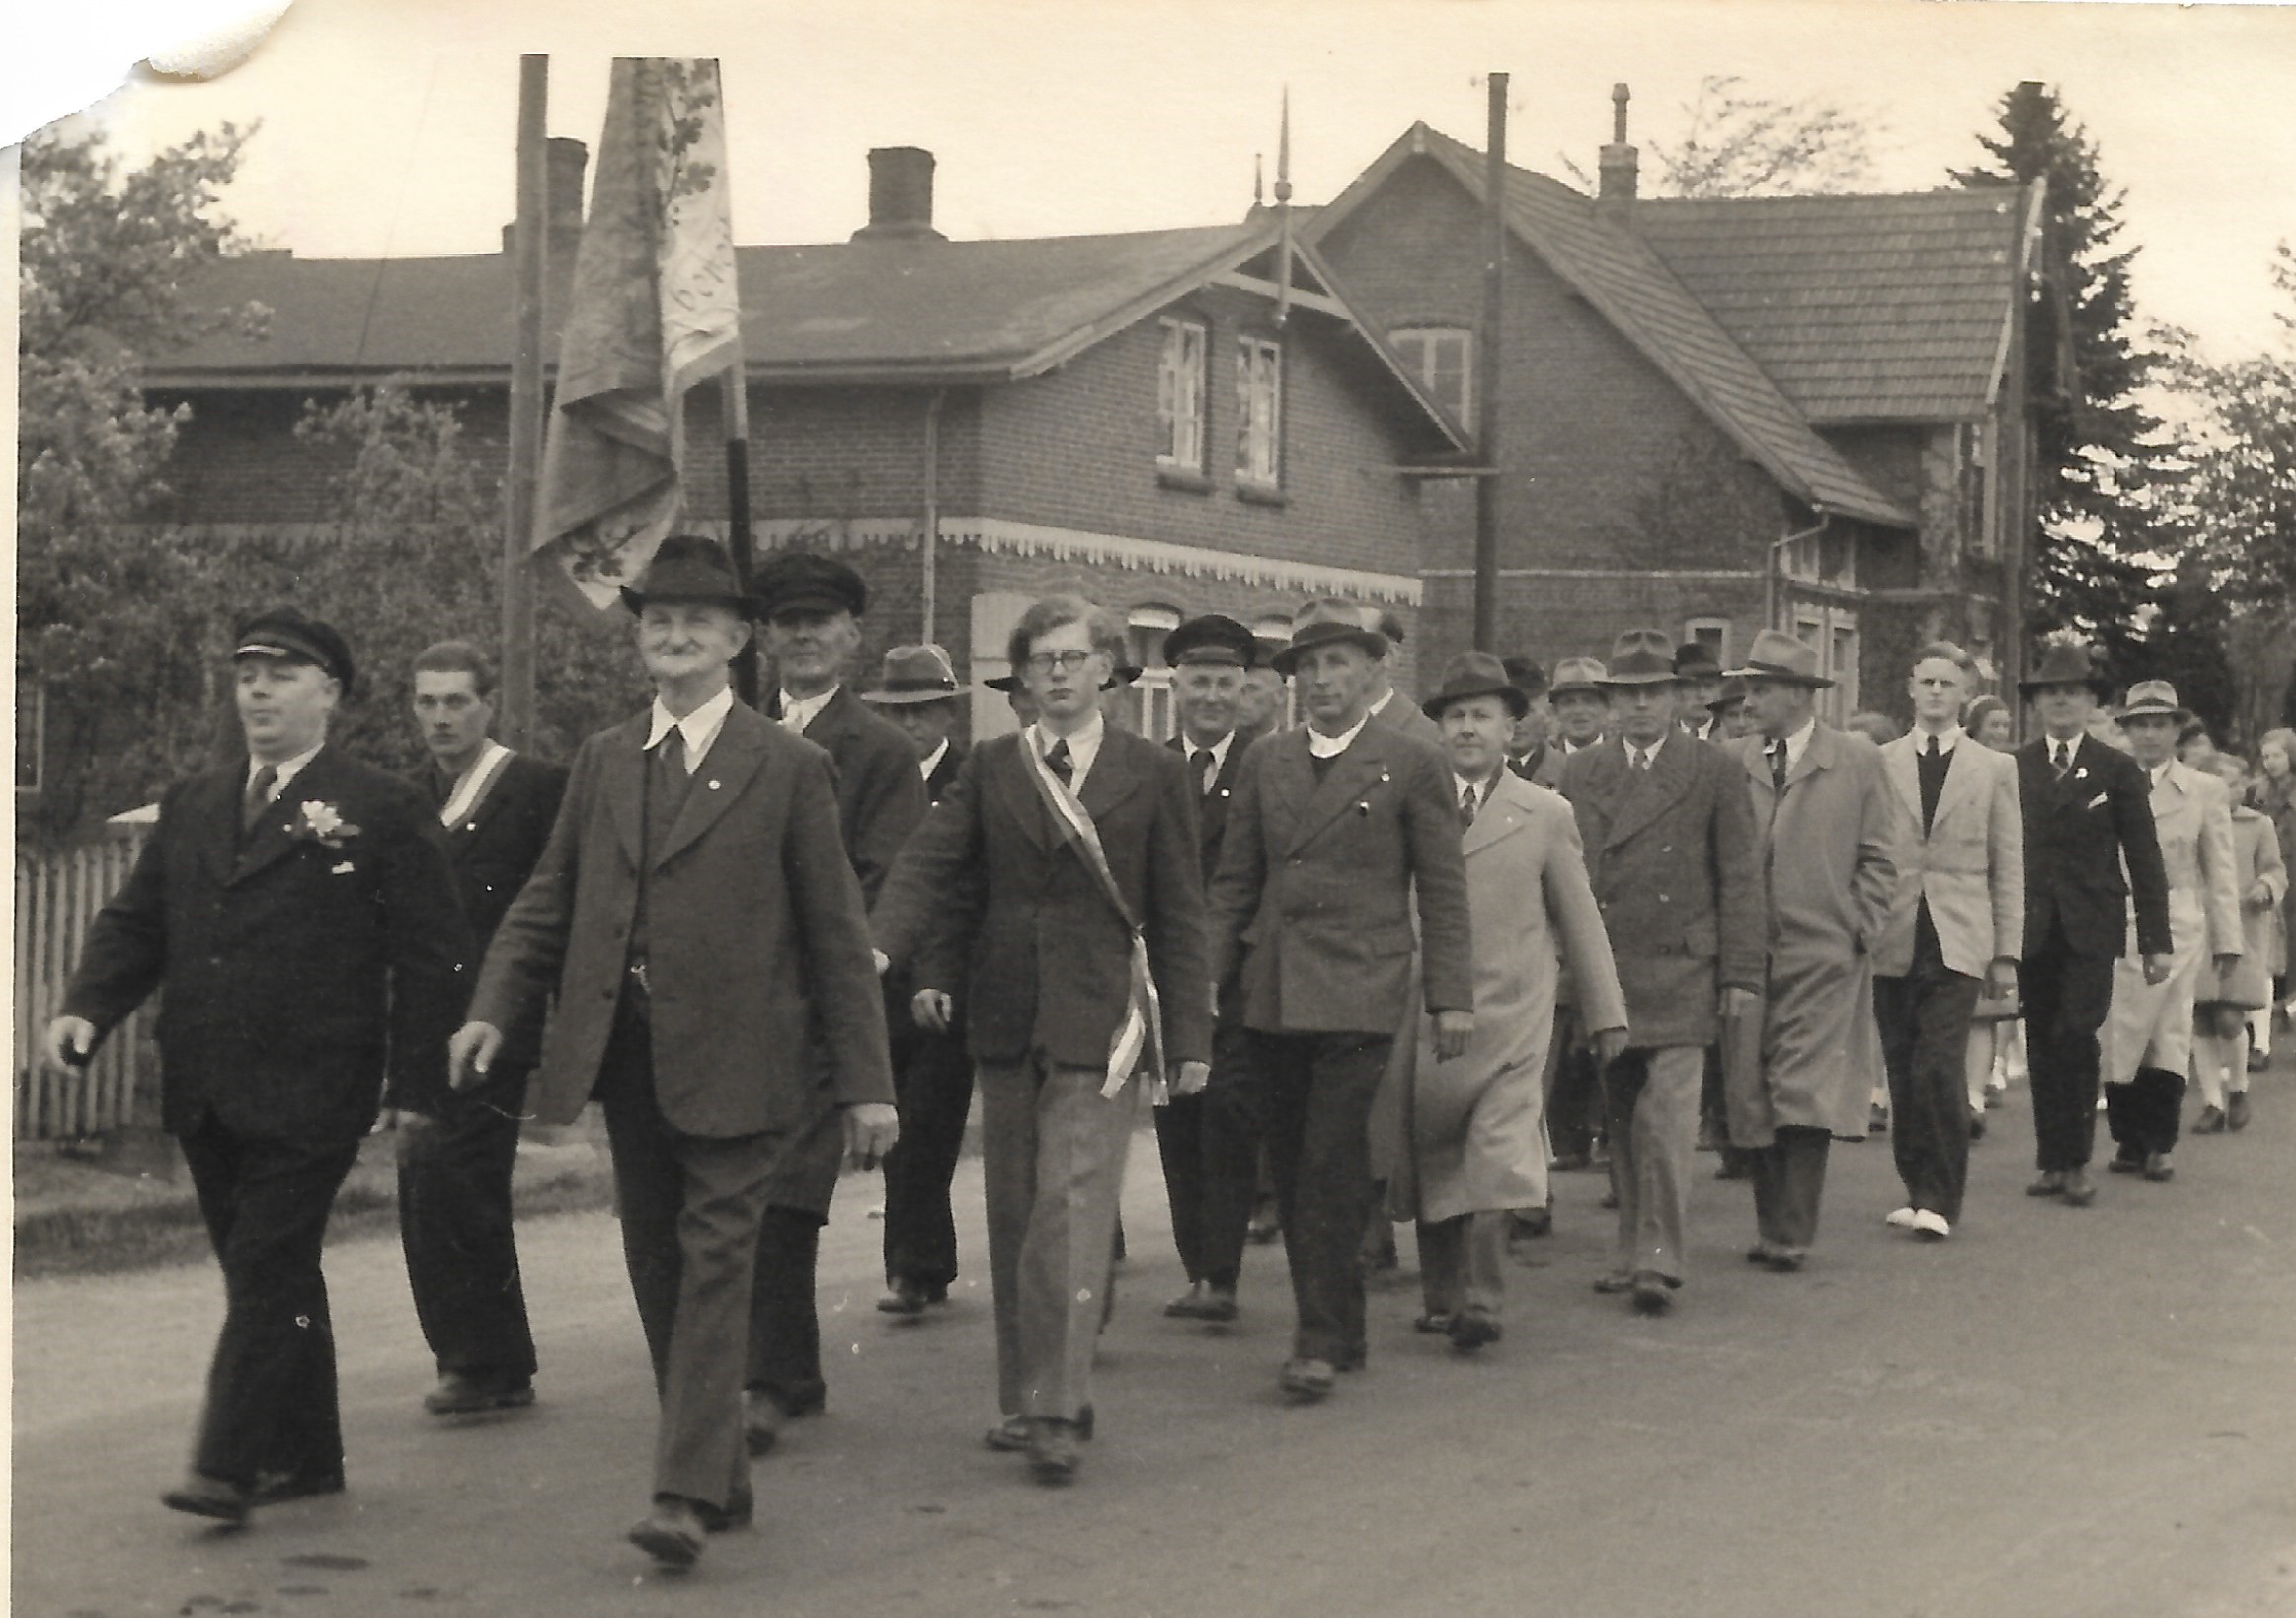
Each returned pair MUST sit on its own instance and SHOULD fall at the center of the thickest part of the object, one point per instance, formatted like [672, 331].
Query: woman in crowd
[2275, 794]
[2221, 1007]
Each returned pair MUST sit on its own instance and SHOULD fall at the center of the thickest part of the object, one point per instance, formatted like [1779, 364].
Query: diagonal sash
[471, 791]
[1139, 1040]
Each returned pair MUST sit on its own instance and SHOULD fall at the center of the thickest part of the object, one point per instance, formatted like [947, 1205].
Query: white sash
[471, 791]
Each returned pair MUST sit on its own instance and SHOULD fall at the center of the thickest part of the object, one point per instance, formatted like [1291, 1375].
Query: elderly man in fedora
[932, 1077]
[2088, 820]
[1479, 1151]
[1828, 827]
[1343, 833]
[1669, 851]
[700, 931]
[2148, 1038]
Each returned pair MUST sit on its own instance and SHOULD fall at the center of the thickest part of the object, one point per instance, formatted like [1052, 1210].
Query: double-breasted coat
[1476, 1123]
[1830, 871]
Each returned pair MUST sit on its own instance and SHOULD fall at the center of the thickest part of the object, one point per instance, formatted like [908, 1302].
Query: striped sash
[471, 791]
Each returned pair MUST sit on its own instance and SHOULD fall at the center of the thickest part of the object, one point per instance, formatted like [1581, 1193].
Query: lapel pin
[713, 786]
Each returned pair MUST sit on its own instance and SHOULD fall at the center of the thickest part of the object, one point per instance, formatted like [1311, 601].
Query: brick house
[1719, 413]
[1143, 416]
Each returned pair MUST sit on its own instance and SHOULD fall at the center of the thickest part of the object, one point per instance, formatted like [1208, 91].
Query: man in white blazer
[1956, 925]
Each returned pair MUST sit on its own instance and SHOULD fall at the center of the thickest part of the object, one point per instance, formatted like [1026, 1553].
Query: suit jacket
[944, 775]
[1671, 855]
[1969, 866]
[757, 939]
[1403, 716]
[1315, 893]
[987, 891]
[1212, 807]
[880, 797]
[1541, 767]
[294, 979]
[494, 849]
[2080, 833]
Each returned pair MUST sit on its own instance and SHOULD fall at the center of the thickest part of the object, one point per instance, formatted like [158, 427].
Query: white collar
[932, 760]
[1219, 752]
[797, 713]
[1641, 755]
[1320, 746]
[1798, 742]
[1380, 706]
[1947, 740]
[287, 771]
[699, 728]
[2161, 773]
[1084, 747]
[1482, 790]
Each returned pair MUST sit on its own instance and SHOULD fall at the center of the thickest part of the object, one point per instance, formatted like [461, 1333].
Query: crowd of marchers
[1393, 963]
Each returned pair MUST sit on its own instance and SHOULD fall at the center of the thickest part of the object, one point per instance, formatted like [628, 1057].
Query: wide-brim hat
[1642, 656]
[1695, 660]
[1732, 694]
[1776, 655]
[690, 567]
[1007, 684]
[285, 633]
[2067, 662]
[1211, 638]
[1529, 678]
[1328, 623]
[2152, 699]
[1471, 674]
[1578, 674]
[915, 674]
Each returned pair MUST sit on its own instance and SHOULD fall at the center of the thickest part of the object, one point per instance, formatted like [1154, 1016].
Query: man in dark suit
[1059, 879]
[812, 607]
[1340, 831]
[1701, 673]
[1210, 1142]
[454, 1165]
[298, 918]
[1669, 841]
[1529, 753]
[932, 1076]
[704, 936]
[2088, 815]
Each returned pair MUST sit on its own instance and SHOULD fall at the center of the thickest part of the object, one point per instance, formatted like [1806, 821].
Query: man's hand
[2000, 979]
[2227, 965]
[931, 1008]
[1187, 1077]
[70, 1041]
[1737, 1002]
[1452, 1031]
[2260, 896]
[2157, 968]
[471, 1052]
[871, 1128]
[1609, 1044]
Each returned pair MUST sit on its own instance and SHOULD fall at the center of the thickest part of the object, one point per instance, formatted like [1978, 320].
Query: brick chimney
[900, 197]
[1614, 193]
[564, 163]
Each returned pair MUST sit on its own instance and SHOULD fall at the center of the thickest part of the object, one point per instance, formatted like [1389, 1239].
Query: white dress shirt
[1219, 752]
[699, 728]
[287, 769]
[1641, 758]
[1945, 739]
[1083, 747]
[932, 760]
[797, 713]
[1797, 744]
[1320, 746]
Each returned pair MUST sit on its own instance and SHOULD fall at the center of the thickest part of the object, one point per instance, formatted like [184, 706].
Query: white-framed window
[1259, 409]
[1145, 628]
[1180, 380]
[1443, 359]
[1833, 630]
[1711, 633]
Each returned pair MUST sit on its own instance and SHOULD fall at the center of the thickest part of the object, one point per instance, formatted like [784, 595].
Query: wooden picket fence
[57, 894]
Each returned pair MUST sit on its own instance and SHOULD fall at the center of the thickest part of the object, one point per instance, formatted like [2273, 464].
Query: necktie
[1932, 749]
[1778, 767]
[1057, 759]
[1642, 758]
[257, 798]
[2064, 751]
[672, 754]
[1199, 760]
[1467, 806]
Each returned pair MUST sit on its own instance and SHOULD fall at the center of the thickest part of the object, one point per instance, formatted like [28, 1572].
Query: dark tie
[1778, 767]
[2064, 758]
[1467, 805]
[1199, 760]
[1058, 761]
[257, 798]
[1930, 777]
[1642, 758]
[671, 780]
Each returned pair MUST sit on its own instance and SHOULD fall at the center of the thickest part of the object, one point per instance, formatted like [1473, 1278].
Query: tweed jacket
[2092, 855]
[1969, 865]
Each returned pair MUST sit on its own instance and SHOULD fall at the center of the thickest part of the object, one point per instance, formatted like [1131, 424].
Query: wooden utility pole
[530, 240]
[1486, 488]
[734, 410]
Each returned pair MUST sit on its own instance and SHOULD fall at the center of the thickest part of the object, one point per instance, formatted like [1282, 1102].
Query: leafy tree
[1738, 144]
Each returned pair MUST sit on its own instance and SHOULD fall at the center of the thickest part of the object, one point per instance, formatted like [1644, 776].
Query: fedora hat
[1529, 678]
[285, 635]
[1695, 660]
[1776, 655]
[1641, 656]
[1471, 674]
[690, 566]
[1328, 621]
[915, 674]
[1732, 694]
[2067, 660]
[2152, 699]
[1578, 674]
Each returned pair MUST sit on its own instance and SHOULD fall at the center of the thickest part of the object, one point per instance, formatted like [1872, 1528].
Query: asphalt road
[2058, 1413]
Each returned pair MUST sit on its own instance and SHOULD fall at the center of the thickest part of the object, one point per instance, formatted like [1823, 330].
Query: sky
[389, 125]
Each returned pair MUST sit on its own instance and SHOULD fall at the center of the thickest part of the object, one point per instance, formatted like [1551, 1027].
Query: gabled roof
[1624, 280]
[1860, 307]
[900, 312]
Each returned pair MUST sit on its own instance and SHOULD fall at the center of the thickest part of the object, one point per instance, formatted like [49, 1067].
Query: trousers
[1789, 1179]
[455, 1224]
[2067, 995]
[1653, 1095]
[933, 1089]
[1209, 1145]
[1318, 1091]
[1924, 1020]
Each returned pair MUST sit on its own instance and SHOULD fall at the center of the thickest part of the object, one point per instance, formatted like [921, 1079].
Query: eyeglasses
[1044, 663]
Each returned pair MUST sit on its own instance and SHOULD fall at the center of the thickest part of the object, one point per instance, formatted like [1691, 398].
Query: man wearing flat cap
[703, 933]
[1340, 870]
[931, 1073]
[297, 914]
[812, 607]
[2087, 819]
[1210, 1141]
[1828, 827]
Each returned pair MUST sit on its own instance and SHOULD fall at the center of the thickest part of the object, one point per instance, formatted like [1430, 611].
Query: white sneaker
[1905, 1219]
[1931, 1225]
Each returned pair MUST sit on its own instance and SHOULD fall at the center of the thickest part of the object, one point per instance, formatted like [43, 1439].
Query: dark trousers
[1209, 1145]
[692, 1206]
[933, 1091]
[2146, 1113]
[270, 1388]
[1923, 1018]
[2067, 995]
[1463, 1263]
[1319, 1090]
[454, 1222]
[1789, 1179]
[785, 1339]
[1574, 1089]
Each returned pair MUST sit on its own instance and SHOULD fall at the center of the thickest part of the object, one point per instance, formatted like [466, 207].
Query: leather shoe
[203, 1496]
[1932, 1225]
[1760, 1253]
[1307, 1380]
[460, 1394]
[1617, 1281]
[2158, 1168]
[1471, 1328]
[1786, 1260]
[1532, 1221]
[1977, 1123]
[2236, 1110]
[738, 1511]
[1219, 1306]
[2210, 1121]
[903, 1298]
[1189, 1305]
[2051, 1183]
[1012, 1433]
[671, 1533]
[1653, 1292]
[2080, 1190]
[1435, 1322]
[761, 1421]
[279, 1487]
[2125, 1162]
[1051, 1451]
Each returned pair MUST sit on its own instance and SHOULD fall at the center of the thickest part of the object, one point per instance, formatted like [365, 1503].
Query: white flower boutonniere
[322, 822]
[2080, 772]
